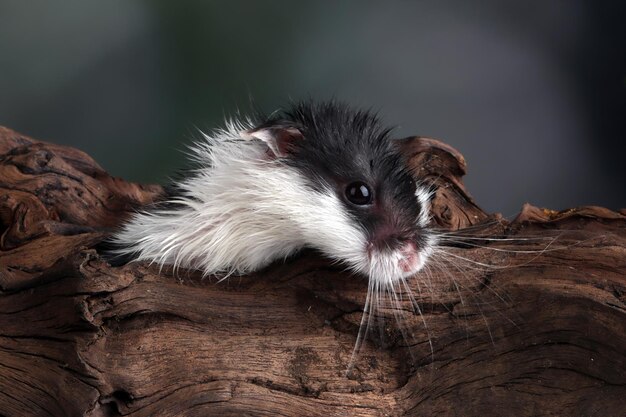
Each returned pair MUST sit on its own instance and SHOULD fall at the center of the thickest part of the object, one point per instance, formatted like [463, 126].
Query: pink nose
[410, 257]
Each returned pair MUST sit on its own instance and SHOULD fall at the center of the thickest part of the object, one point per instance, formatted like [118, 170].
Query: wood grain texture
[522, 333]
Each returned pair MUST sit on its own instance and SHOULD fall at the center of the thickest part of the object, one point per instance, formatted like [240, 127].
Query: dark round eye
[359, 193]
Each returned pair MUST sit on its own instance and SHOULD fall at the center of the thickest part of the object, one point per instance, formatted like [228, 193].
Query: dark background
[533, 93]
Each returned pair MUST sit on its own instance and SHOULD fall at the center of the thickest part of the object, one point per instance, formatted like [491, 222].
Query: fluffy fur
[240, 213]
[242, 210]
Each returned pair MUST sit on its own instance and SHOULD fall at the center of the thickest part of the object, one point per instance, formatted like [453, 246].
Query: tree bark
[535, 325]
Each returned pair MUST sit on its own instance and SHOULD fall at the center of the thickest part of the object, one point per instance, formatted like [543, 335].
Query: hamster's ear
[279, 139]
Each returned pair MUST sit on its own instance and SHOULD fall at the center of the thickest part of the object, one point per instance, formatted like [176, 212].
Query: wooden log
[526, 327]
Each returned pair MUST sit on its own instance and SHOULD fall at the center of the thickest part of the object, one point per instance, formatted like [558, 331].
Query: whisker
[417, 309]
[363, 327]
[459, 268]
[473, 245]
[494, 292]
[470, 261]
[466, 274]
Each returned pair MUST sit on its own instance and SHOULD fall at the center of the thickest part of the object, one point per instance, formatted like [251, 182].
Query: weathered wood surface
[537, 334]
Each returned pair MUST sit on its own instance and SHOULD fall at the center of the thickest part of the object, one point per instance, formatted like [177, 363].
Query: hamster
[318, 175]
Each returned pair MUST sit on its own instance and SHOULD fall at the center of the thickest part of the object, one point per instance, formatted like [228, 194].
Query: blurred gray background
[532, 93]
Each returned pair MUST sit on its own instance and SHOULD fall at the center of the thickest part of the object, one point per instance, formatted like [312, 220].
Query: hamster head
[357, 200]
[319, 175]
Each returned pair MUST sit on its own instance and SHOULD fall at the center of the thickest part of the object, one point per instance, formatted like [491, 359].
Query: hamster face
[349, 158]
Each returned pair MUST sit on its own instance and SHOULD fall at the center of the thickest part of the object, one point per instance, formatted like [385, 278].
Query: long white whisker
[363, 326]
[417, 308]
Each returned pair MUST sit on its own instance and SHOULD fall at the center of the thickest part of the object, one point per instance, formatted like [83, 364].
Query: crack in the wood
[519, 382]
[588, 375]
[21, 401]
[123, 396]
[36, 337]
[574, 334]
[301, 391]
[21, 381]
[30, 307]
[143, 314]
[84, 377]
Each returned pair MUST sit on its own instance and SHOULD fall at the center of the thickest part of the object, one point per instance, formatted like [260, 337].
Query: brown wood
[533, 334]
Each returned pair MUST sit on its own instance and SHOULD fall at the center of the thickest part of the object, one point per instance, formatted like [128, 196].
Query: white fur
[242, 211]
[423, 197]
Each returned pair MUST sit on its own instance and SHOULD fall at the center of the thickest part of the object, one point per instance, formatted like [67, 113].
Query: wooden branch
[532, 334]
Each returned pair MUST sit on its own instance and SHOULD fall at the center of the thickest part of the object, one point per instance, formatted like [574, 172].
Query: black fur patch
[342, 145]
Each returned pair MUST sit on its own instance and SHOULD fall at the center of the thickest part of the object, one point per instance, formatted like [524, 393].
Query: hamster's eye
[359, 193]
